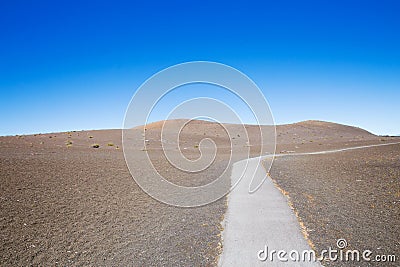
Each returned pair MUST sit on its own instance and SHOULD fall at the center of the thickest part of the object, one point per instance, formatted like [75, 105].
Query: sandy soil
[66, 203]
[353, 195]
[77, 205]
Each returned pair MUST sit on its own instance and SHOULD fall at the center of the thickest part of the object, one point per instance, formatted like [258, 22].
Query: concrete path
[256, 220]
[262, 220]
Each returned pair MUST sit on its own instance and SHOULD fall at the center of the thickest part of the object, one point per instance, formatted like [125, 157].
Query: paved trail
[264, 218]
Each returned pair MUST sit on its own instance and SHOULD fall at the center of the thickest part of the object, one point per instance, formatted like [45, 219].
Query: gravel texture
[353, 195]
[68, 199]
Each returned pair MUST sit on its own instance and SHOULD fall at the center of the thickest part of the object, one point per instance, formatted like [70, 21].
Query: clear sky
[73, 65]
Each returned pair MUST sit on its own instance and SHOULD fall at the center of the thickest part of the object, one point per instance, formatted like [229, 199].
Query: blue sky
[73, 65]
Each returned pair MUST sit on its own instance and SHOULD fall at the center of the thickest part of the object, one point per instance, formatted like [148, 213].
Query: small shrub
[110, 144]
[95, 146]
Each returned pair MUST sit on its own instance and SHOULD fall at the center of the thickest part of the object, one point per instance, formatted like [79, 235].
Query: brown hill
[312, 130]
[65, 202]
[311, 135]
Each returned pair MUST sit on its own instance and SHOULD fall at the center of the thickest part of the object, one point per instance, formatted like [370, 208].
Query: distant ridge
[302, 126]
[331, 125]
